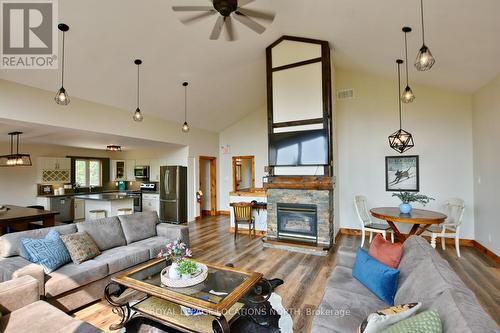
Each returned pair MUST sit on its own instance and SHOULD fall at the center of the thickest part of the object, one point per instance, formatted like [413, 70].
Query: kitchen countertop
[104, 196]
[71, 194]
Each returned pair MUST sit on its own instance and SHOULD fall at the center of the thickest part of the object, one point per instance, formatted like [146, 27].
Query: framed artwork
[402, 173]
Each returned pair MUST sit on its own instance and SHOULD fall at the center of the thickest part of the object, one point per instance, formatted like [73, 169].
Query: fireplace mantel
[300, 182]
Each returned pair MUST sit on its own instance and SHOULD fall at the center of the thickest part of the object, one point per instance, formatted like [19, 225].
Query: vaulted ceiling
[227, 79]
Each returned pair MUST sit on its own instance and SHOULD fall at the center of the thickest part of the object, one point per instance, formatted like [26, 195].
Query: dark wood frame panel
[326, 85]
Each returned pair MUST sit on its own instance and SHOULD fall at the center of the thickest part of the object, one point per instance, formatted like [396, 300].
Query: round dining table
[421, 219]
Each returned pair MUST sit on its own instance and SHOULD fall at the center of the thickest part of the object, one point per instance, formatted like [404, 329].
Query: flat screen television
[299, 148]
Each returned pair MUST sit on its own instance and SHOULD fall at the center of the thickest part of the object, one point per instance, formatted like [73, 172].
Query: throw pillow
[382, 319]
[424, 322]
[48, 252]
[377, 277]
[386, 252]
[81, 246]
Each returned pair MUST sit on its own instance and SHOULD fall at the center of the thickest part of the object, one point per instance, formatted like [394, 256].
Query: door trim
[213, 182]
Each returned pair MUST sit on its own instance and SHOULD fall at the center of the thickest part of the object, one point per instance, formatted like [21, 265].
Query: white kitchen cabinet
[142, 162]
[118, 170]
[53, 170]
[79, 209]
[129, 170]
[151, 202]
[154, 170]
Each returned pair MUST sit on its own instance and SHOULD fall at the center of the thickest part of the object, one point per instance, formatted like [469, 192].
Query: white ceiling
[227, 79]
[41, 134]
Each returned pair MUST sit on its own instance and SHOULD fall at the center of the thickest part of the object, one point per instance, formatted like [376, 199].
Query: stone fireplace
[297, 222]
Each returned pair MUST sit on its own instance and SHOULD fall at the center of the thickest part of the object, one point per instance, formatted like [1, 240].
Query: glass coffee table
[217, 298]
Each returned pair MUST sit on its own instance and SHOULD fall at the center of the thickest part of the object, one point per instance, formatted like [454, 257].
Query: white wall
[246, 137]
[440, 122]
[486, 125]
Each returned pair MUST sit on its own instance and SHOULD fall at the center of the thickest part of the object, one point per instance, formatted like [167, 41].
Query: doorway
[208, 185]
[243, 173]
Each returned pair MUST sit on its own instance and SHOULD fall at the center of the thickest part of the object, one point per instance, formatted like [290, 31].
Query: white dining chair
[367, 223]
[454, 210]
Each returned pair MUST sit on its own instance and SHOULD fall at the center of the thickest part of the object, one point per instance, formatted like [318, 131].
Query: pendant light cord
[422, 19]
[12, 144]
[399, 96]
[185, 103]
[138, 85]
[17, 150]
[62, 71]
[406, 58]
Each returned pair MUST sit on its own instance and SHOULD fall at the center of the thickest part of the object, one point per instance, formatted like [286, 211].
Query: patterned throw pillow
[81, 246]
[48, 252]
[425, 322]
[381, 319]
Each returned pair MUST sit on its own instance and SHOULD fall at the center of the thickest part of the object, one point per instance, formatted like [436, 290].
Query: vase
[173, 274]
[405, 208]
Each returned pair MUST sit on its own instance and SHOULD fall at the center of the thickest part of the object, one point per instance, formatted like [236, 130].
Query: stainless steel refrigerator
[173, 194]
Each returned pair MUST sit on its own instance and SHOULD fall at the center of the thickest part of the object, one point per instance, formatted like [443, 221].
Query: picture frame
[402, 173]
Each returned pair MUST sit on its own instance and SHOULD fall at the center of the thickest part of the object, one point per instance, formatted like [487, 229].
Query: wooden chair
[367, 223]
[243, 215]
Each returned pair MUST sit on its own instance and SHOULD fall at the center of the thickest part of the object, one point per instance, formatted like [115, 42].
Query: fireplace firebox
[297, 222]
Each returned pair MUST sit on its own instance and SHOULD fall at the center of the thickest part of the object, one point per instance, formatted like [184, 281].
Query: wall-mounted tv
[299, 148]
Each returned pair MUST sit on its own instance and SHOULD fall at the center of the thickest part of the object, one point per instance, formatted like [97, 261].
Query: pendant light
[400, 140]
[137, 114]
[185, 126]
[15, 159]
[424, 60]
[408, 95]
[62, 97]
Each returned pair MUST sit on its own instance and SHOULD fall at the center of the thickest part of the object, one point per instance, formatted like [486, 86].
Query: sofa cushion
[153, 244]
[72, 276]
[107, 232]
[139, 226]
[383, 318]
[10, 244]
[415, 249]
[49, 252]
[424, 322]
[81, 247]
[386, 252]
[123, 257]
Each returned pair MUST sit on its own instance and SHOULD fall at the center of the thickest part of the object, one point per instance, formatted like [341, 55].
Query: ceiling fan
[228, 9]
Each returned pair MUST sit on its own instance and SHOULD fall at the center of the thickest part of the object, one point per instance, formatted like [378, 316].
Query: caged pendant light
[138, 114]
[15, 158]
[408, 95]
[400, 140]
[62, 97]
[424, 60]
[185, 126]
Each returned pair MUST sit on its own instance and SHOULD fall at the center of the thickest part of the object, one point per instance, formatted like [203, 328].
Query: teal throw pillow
[49, 252]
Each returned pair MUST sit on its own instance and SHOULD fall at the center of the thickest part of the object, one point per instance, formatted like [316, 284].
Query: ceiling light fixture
[185, 126]
[424, 60]
[408, 95]
[137, 114]
[114, 148]
[15, 159]
[400, 140]
[62, 97]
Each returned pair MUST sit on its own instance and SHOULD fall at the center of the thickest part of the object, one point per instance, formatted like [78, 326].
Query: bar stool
[96, 214]
[125, 211]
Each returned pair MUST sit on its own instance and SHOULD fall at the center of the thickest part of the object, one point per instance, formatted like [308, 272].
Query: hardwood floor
[305, 275]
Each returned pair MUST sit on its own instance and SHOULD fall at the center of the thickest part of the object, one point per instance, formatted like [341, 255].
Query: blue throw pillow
[377, 277]
[49, 252]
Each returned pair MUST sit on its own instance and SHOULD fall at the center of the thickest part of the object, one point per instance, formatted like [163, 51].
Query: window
[88, 173]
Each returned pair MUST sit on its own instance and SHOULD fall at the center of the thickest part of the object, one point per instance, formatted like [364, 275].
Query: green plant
[187, 267]
[408, 197]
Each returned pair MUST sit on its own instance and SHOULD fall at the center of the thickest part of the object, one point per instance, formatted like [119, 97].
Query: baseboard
[223, 212]
[489, 253]
[197, 218]
[245, 231]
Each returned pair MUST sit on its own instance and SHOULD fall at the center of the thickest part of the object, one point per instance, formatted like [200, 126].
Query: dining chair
[367, 223]
[243, 215]
[454, 210]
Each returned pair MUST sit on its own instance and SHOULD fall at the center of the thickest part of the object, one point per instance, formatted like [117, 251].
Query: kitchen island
[109, 202]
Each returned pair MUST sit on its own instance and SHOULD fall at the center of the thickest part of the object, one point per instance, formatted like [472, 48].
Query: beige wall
[486, 125]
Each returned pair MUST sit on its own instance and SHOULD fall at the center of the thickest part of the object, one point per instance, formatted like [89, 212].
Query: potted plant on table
[176, 252]
[408, 197]
[187, 268]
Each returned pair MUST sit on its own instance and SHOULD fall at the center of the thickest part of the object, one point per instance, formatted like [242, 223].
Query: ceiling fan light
[62, 97]
[408, 95]
[424, 60]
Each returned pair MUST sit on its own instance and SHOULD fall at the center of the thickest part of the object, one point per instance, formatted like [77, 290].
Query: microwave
[141, 172]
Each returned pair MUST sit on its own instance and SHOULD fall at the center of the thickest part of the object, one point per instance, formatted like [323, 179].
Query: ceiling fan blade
[217, 28]
[192, 8]
[197, 17]
[244, 2]
[268, 16]
[245, 20]
[230, 28]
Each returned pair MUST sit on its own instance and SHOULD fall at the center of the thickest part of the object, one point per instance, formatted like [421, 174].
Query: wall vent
[345, 94]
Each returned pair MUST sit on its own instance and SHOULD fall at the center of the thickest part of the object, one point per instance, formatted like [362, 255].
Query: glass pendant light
[400, 140]
[408, 95]
[138, 114]
[424, 60]
[62, 97]
[15, 158]
[185, 126]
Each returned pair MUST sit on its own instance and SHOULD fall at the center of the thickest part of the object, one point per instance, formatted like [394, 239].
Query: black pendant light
[137, 114]
[62, 97]
[408, 95]
[400, 140]
[15, 159]
[185, 126]
[424, 60]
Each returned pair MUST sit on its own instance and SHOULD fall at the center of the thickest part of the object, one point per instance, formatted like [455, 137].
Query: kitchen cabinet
[79, 209]
[129, 170]
[118, 170]
[154, 170]
[151, 202]
[53, 170]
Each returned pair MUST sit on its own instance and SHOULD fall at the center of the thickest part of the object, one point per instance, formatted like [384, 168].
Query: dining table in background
[17, 218]
[421, 219]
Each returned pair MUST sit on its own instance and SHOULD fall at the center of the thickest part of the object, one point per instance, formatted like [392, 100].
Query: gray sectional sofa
[425, 277]
[125, 241]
